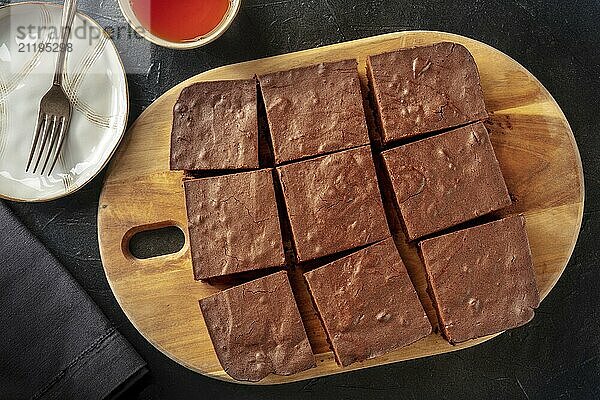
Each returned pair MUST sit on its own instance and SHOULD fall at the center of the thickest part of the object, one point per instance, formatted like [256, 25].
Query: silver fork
[54, 117]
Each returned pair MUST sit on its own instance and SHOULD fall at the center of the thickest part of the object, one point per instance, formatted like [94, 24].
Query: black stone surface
[555, 356]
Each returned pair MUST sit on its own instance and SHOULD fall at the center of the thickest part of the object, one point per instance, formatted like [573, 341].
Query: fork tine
[58, 123]
[61, 138]
[44, 140]
[42, 118]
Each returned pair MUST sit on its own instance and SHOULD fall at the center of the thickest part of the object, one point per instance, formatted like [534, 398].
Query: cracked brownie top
[233, 224]
[314, 110]
[425, 89]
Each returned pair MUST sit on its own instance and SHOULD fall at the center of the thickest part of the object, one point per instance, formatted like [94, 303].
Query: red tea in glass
[180, 20]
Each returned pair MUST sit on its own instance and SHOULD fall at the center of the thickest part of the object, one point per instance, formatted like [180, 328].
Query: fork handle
[68, 15]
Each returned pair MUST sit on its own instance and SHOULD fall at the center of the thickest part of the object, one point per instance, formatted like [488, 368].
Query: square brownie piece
[256, 329]
[445, 180]
[314, 110]
[233, 224]
[333, 203]
[215, 126]
[425, 89]
[367, 303]
[481, 279]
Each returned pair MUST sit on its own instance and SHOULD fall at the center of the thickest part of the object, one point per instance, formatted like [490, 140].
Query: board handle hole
[153, 241]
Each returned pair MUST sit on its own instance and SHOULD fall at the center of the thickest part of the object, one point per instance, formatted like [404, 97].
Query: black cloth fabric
[54, 341]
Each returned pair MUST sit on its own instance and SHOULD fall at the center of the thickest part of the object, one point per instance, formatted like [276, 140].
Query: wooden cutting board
[531, 137]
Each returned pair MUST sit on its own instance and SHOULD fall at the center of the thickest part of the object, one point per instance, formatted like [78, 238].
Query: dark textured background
[556, 356]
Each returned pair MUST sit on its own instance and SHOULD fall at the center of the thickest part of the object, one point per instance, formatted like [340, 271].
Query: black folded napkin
[54, 341]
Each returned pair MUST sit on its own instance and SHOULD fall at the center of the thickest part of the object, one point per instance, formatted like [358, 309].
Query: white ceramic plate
[94, 80]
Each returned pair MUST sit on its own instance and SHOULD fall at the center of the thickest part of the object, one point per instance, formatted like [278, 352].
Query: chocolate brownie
[215, 126]
[445, 180]
[425, 89]
[314, 110]
[256, 329]
[333, 203]
[481, 279]
[367, 303]
[233, 224]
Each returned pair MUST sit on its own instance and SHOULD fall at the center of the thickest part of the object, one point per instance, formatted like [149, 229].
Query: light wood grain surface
[532, 139]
